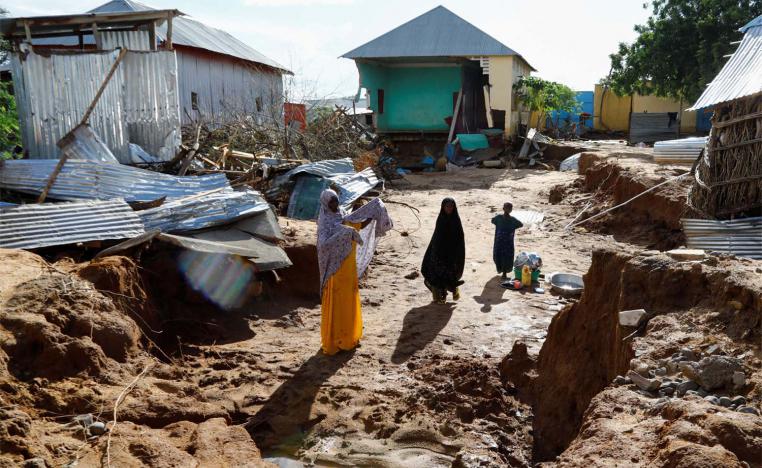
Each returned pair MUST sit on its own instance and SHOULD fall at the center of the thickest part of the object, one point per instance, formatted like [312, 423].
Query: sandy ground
[403, 330]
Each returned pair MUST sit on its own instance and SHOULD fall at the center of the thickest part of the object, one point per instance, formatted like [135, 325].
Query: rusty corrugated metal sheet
[48, 224]
[742, 75]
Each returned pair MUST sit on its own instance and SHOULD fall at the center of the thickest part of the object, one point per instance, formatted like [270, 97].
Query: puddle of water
[285, 462]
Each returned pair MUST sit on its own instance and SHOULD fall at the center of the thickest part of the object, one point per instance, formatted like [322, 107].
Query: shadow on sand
[491, 295]
[287, 412]
[419, 328]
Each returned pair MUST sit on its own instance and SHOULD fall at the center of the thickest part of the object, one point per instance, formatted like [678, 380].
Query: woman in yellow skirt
[341, 325]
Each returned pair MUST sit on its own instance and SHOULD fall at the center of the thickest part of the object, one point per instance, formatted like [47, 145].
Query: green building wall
[415, 98]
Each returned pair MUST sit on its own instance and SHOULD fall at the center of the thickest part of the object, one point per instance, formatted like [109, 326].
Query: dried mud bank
[72, 337]
[651, 221]
[685, 390]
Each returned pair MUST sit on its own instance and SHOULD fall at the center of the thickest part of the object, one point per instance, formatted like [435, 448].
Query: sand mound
[60, 326]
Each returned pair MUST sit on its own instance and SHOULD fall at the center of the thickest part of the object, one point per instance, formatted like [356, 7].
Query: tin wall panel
[53, 92]
[131, 40]
[139, 105]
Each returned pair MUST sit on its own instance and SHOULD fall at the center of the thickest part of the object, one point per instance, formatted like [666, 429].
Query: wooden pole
[169, 31]
[28, 32]
[65, 156]
[97, 36]
[455, 116]
[152, 36]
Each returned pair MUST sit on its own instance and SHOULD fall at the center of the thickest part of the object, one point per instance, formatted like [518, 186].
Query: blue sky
[566, 41]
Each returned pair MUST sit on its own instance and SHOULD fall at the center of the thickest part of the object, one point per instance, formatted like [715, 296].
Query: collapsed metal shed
[140, 104]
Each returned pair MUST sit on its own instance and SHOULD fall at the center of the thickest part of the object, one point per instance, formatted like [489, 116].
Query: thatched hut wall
[728, 182]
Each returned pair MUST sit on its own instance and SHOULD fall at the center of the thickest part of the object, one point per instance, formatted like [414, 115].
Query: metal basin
[567, 283]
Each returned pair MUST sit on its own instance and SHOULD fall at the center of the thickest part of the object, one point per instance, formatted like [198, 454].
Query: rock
[641, 368]
[687, 254]
[688, 354]
[648, 385]
[726, 402]
[667, 391]
[97, 428]
[661, 371]
[717, 371]
[686, 385]
[631, 318]
[35, 463]
[749, 410]
[620, 380]
[713, 350]
[739, 379]
[688, 369]
[739, 400]
[412, 275]
[712, 399]
[671, 367]
[627, 380]
[702, 393]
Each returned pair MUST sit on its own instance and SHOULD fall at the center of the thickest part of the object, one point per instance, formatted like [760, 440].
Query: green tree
[681, 47]
[10, 135]
[543, 96]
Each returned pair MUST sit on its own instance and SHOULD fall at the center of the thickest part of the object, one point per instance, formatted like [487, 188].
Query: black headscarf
[446, 255]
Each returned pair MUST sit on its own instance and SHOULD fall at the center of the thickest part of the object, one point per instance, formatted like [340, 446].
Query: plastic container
[526, 276]
[535, 274]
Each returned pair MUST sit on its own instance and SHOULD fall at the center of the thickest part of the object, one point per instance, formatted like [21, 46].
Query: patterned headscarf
[334, 239]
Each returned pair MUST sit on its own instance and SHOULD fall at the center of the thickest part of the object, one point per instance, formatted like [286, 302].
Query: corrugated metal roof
[203, 210]
[91, 180]
[752, 24]
[742, 74]
[192, 33]
[741, 237]
[47, 224]
[436, 33]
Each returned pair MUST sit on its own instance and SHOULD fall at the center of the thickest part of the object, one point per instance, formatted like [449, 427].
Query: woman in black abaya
[446, 255]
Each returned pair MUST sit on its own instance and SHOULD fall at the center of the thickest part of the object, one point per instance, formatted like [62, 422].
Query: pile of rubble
[687, 373]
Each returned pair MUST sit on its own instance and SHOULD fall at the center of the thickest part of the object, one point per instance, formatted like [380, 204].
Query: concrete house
[219, 77]
[415, 73]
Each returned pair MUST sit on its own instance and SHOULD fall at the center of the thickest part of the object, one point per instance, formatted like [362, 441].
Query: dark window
[194, 101]
[380, 101]
[259, 104]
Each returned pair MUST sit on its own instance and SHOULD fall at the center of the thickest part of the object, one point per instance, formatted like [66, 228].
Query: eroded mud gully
[499, 379]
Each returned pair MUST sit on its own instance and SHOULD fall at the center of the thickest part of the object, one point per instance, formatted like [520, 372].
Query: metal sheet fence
[151, 102]
[52, 93]
[140, 104]
[742, 237]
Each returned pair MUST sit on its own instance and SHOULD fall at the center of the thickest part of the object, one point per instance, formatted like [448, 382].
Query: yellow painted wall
[503, 73]
[615, 113]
